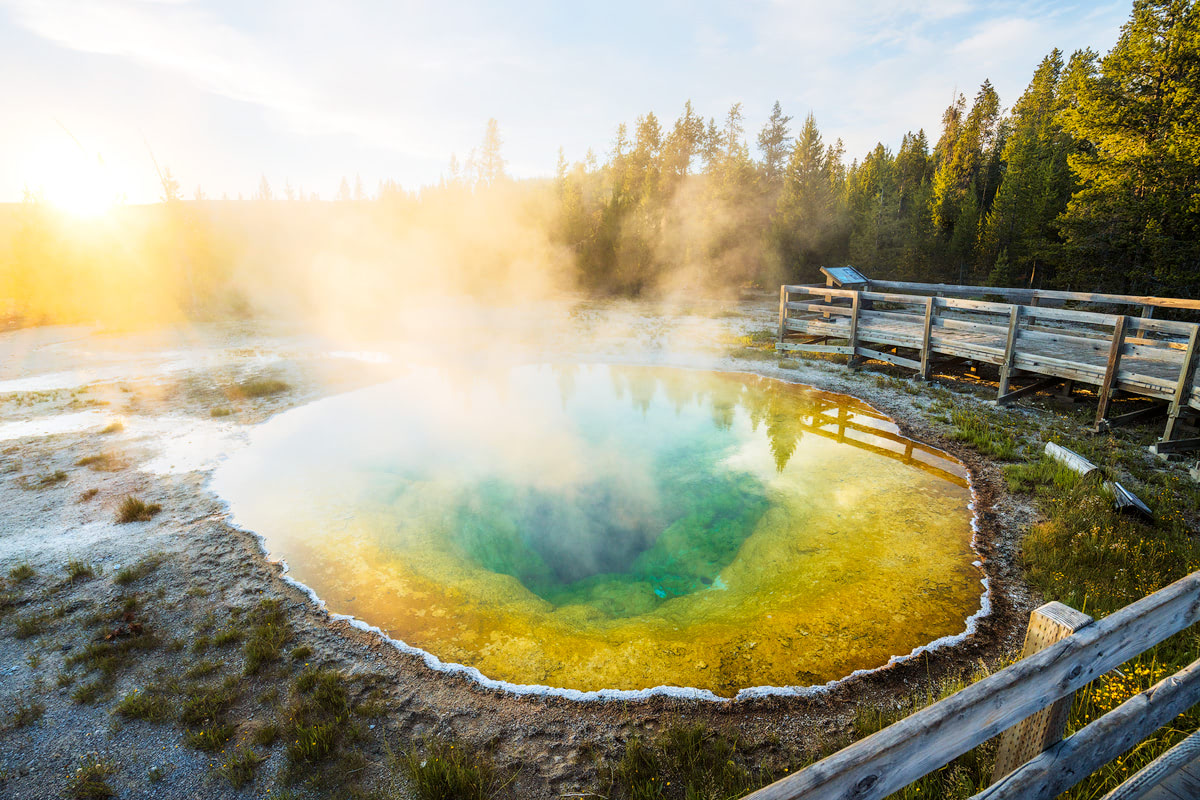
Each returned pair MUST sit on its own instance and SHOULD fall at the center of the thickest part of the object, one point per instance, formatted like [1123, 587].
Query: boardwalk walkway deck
[1035, 344]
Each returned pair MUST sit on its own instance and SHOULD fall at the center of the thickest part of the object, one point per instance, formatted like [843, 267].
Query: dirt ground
[63, 478]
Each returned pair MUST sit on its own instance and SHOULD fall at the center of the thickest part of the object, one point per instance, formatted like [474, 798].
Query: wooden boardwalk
[1030, 342]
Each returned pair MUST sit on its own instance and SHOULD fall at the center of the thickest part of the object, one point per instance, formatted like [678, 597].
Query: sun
[71, 181]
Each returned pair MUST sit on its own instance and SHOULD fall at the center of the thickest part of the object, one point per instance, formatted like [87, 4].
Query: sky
[223, 92]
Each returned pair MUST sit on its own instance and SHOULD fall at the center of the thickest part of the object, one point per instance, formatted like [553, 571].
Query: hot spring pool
[615, 527]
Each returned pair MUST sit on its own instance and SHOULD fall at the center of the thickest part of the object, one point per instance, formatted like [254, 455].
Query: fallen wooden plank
[1175, 446]
[1123, 499]
[1153, 412]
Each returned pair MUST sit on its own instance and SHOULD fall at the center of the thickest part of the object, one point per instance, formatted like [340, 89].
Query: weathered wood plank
[930, 306]
[783, 309]
[1110, 373]
[1175, 446]
[889, 358]
[855, 304]
[1010, 350]
[819, 308]
[1025, 295]
[1048, 624]
[1036, 386]
[899, 754]
[1187, 374]
[1067, 763]
[814, 348]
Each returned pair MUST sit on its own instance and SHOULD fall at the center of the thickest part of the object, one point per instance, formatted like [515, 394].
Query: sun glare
[73, 182]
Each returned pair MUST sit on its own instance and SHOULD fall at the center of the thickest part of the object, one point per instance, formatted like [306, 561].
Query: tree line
[1090, 181]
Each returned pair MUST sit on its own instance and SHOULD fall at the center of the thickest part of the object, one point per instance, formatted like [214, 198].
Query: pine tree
[807, 224]
[264, 189]
[1036, 187]
[490, 161]
[343, 192]
[1134, 224]
[773, 142]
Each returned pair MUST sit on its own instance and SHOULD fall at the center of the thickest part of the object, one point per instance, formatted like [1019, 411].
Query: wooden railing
[1141, 355]
[896, 756]
[1145, 304]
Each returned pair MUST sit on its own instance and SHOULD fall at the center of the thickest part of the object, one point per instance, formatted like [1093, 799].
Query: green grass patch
[984, 433]
[89, 692]
[30, 625]
[269, 632]
[266, 736]
[91, 780]
[102, 462]
[147, 705]
[202, 669]
[48, 479]
[240, 765]
[450, 771]
[221, 411]
[26, 713]
[134, 509]
[22, 572]
[210, 738]
[205, 704]
[135, 572]
[258, 387]
[80, 570]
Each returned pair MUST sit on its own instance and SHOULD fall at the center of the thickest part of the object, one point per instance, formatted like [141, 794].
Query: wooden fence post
[1047, 625]
[1110, 373]
[854, 303]
[1183, 389]
[1010, 351]
[783, 298]
[929, 306]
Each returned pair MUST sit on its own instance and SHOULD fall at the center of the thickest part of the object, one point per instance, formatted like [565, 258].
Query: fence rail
[934, 736]
[1152, 358]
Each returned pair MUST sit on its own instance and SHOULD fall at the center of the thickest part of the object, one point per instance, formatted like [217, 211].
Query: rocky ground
[124, 644]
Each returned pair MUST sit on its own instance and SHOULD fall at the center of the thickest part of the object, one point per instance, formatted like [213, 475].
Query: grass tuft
[134, 509]
[446, 771]
[22, 572]
[258, 387]
[30, 625]
[91, 780]
[116, 426]
[80, 570]
[148, 705]
[984, 433]
[240, 765]
[135, 572]
[26, 713]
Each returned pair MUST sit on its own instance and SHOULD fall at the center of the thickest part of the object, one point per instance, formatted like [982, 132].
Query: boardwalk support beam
[1010, 352]
[1183, 388]
[1110, 372]
[1036, 386]
[930, 304]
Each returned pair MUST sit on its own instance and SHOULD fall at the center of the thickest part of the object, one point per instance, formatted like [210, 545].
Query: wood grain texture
[1049, 624]
[1067, 763]
[899, 754]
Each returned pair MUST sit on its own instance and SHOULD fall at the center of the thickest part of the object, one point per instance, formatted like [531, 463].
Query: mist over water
[592, 527]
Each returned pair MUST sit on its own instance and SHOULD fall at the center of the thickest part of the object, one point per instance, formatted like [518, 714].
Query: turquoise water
[592, 527]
